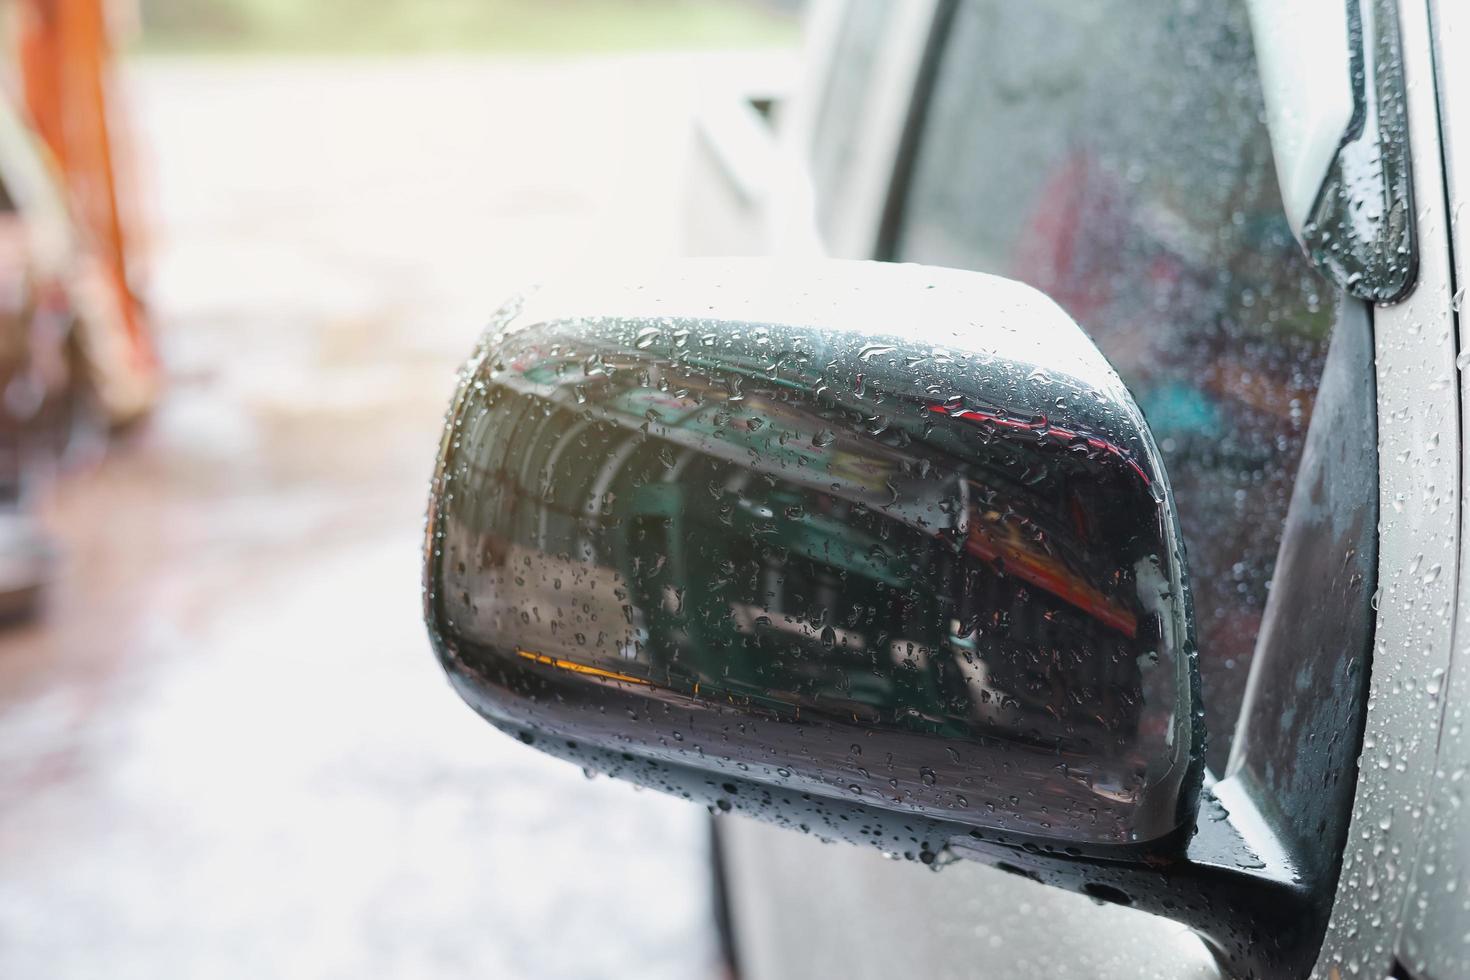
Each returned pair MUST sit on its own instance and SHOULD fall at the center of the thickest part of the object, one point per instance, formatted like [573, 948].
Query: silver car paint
[1436, 937]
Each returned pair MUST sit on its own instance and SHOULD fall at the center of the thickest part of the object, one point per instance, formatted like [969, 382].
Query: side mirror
[884, 552]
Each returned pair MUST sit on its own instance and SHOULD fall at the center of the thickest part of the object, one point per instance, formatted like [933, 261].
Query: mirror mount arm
[1234, 886]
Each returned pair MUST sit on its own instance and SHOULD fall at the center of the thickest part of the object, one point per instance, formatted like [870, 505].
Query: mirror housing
[883, 552]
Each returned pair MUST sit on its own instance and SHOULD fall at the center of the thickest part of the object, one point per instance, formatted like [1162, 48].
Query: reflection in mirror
[886, 535]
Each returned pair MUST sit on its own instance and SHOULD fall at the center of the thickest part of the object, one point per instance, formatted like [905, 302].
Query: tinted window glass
[839, 124]
[1113, 154]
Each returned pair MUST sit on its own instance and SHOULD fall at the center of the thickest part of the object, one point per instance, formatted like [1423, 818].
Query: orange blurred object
[65, 58]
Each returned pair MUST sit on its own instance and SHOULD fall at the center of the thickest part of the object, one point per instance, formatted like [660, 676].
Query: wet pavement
[225, 751]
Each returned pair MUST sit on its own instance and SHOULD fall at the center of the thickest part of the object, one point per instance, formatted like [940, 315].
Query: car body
[1092, 151]
[1104, 533]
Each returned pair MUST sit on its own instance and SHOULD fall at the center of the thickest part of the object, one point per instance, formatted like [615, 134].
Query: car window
[1114, 155]
[840, 117]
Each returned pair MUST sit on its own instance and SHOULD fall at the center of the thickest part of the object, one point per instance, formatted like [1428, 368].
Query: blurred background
[243, 246]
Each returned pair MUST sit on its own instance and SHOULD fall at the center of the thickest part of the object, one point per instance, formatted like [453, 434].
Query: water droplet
[873, 350]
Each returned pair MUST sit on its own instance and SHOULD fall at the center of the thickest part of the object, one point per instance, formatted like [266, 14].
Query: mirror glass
[889, 535]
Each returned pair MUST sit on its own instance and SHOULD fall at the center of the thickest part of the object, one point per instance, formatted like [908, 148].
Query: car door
[1116, 156]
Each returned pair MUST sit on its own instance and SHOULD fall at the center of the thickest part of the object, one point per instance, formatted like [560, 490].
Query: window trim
[906, 149]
